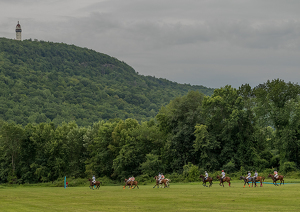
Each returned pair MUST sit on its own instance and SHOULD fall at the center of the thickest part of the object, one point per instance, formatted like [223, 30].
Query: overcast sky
[201, 42]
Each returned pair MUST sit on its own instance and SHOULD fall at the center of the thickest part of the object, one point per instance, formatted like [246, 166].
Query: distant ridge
[44, 81]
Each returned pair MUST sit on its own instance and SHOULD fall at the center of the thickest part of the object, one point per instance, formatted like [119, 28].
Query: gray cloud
[208, 42]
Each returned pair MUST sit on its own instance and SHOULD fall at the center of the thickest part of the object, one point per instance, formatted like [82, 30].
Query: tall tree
[277, 105]
[177, 121]
[227, 136]
[12, 136]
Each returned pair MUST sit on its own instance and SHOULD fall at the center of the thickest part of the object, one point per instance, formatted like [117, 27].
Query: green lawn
[179, 197]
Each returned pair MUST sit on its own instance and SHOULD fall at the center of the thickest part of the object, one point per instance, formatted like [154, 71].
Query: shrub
[191, 172]
[229, 167]
[175, 177]
[288, 167]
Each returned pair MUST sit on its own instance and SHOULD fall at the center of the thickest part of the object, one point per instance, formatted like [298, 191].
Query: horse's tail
[263, 179]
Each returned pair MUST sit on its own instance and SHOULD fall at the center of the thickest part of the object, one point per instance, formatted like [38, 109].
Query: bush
[144, 179]
[106, 181]
[288, 167]
[152, 165]
[175, 177]
[191, 172]
[229, 167]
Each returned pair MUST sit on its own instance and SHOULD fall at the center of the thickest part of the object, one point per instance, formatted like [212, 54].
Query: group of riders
[248, 176]
[223, 175]
[160, 178]
[132, 179]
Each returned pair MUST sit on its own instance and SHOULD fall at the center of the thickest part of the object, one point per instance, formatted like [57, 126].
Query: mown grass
[179, 197]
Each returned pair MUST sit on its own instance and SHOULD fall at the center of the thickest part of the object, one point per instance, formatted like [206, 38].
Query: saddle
[250, 179]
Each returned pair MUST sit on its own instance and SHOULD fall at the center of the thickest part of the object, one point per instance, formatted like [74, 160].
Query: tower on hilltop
[18, 32]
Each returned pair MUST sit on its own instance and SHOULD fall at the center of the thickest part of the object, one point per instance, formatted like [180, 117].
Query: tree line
[246, 128]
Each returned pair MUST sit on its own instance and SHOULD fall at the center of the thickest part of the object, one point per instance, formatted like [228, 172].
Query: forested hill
[44, 81]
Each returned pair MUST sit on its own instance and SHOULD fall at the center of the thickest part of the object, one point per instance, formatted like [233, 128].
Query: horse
[162, 181]
[130, 184]
[225, 179]
[280, 177]
[259, 179]
[250, 179]
[97, 184]
[209, 179]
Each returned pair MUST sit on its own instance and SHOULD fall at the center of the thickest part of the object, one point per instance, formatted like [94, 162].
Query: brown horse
[225, 179]
[209, 179]
[162, 181]
[130, 184]
[97, 184]
[258, 179]
[280, 177]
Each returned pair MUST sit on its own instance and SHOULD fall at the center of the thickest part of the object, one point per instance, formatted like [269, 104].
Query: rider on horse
[161, 177]
[255, 175]
[249, 175]
[223, 174]
[275, 174]
[206, 175]
[94, 179]
[131, 179]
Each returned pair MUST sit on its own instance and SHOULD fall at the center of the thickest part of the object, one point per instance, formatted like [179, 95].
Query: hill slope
[44, 81]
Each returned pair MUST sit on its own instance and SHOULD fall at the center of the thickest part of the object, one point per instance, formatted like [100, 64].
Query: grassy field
[179, 197]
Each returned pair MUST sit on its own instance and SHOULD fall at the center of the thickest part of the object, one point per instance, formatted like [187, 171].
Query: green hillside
[44, 81]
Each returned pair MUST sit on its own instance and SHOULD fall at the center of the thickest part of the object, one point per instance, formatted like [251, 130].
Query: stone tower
[18, 32]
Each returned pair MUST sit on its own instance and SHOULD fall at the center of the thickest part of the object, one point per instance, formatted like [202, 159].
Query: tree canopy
[55, 82]
[234, 129]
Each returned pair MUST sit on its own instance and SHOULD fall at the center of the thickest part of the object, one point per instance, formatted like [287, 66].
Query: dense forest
[70, 111]
[233, 129]
[43, 82]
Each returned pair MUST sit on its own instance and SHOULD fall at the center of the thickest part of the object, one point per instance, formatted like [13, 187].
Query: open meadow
[179, 197]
